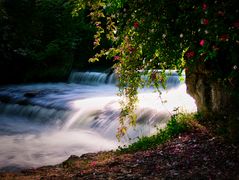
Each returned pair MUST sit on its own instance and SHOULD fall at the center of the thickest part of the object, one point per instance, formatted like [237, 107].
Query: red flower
[93, 163]
[96, 42]
[236, 24]
[136, 25]
[116, 58]
[202, 42]
[215, 48]
[204, 6]
[221, 13]
[153, 76]
[205, 21]
[224, 37]
[189, 54]
[131, 50]
[195, 8]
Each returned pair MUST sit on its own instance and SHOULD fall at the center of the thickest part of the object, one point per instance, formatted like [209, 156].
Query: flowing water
[43, 124]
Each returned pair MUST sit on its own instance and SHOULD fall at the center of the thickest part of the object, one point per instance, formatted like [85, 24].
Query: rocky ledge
[192, 155]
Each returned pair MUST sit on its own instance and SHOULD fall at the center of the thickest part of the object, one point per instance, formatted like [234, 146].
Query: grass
[178, 124]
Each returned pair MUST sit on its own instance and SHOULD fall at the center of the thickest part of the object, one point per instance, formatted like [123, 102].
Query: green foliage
[148, 35]
[41, 40]
[178, 124]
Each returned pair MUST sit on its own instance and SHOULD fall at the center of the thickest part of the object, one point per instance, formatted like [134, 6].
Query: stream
[43, 124]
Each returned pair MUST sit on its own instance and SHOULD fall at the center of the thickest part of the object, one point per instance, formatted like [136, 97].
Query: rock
[73, 157]
[216, 99]
[212, 95]
[31, 94]
[5, 99]
[23, 102]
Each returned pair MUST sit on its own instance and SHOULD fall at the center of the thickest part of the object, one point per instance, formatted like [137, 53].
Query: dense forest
[41, 40]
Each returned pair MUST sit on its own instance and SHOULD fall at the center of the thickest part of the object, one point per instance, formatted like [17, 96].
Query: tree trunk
[217, 100]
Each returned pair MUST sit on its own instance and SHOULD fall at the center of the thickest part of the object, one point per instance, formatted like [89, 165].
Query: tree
[40, 40]
[200, 36]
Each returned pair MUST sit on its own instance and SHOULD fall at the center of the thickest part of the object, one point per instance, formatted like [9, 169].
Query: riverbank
[193, 154]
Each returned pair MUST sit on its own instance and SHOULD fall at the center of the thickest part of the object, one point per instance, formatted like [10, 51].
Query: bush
[178, 124]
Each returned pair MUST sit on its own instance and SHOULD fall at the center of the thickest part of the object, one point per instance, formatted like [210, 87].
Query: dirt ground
[192, 155]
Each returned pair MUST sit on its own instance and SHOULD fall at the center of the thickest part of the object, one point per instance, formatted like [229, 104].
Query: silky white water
[43, 124]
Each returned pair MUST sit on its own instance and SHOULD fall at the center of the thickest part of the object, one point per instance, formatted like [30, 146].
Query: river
[43, 124]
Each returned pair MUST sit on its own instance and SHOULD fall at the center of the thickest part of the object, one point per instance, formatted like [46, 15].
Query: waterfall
[43, 124]
[96, 78]
[92, 78]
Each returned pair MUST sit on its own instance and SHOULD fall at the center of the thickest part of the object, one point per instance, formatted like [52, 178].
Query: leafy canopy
[147, 35]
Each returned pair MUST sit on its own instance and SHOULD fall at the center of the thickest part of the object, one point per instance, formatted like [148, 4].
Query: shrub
[178, 124]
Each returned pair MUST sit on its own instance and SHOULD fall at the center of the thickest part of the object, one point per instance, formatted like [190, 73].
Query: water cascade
[43, 124]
